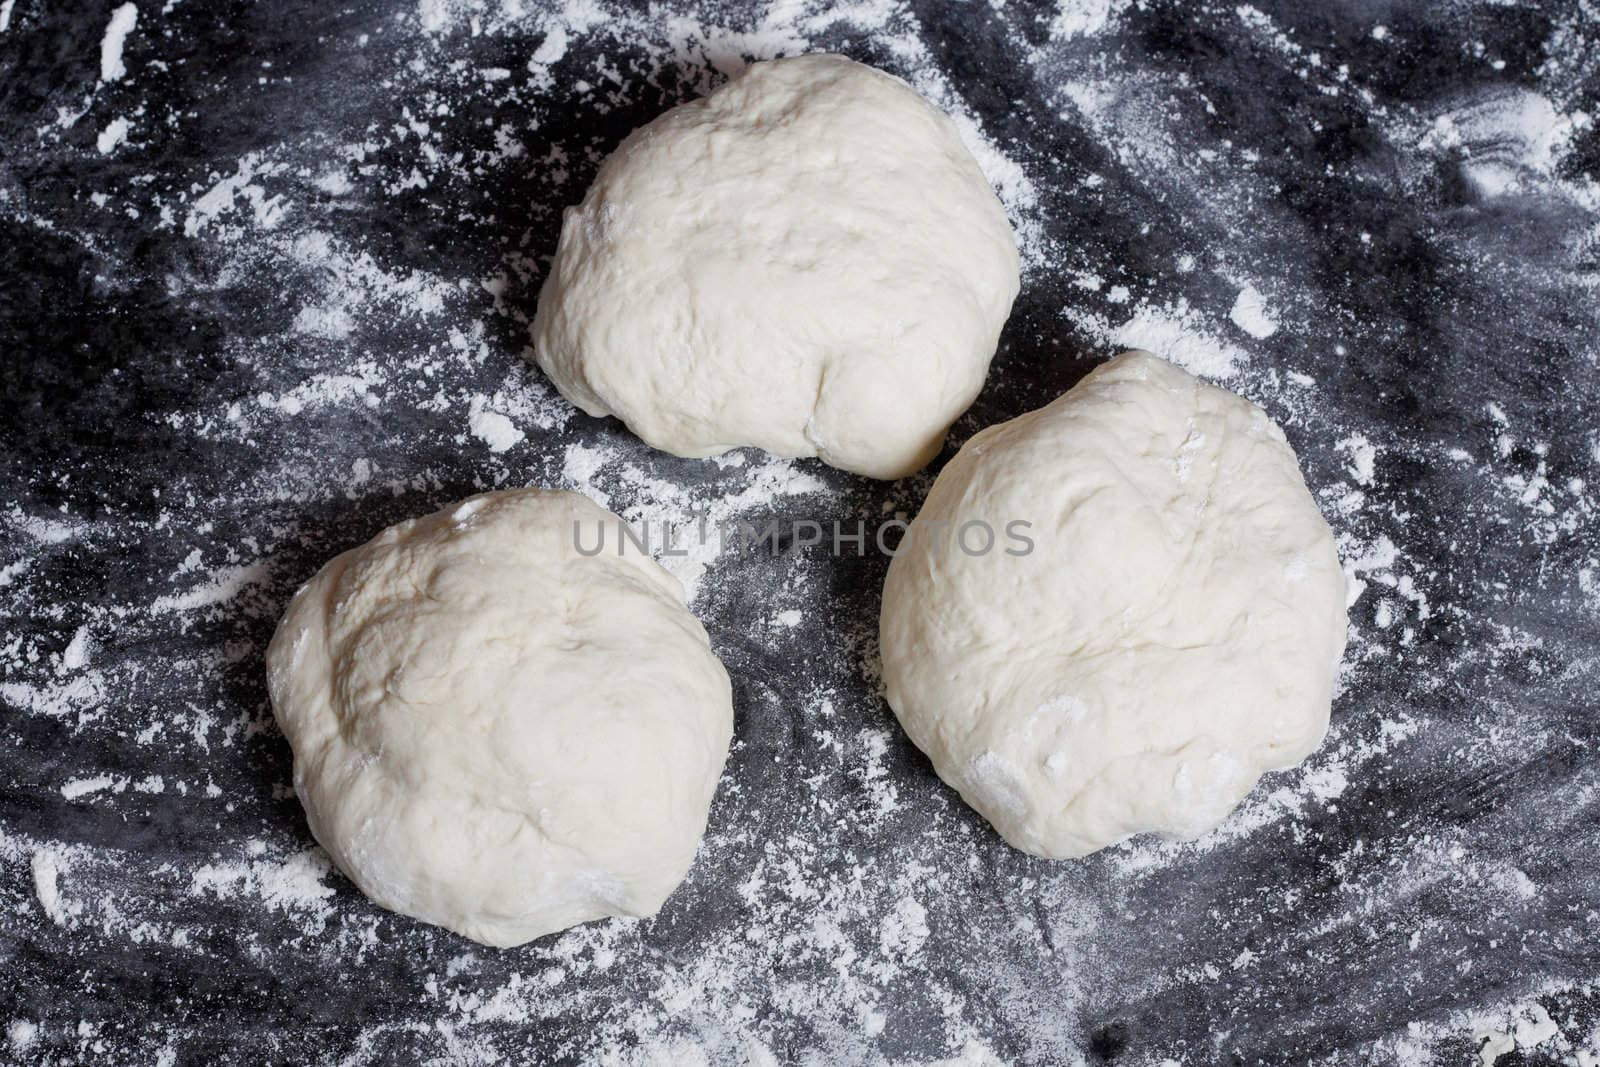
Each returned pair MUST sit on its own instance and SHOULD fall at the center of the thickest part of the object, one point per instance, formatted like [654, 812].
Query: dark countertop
[265, 291]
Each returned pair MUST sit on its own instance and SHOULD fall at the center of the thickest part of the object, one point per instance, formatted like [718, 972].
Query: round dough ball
[494, 732]
[807, 260]
[1173, 633]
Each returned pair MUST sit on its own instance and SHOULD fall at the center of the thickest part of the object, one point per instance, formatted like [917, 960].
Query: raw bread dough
[1173, 634]
[807, 260]
[494, 732]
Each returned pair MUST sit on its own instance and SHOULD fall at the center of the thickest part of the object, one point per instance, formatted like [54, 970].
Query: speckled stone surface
[266, 277]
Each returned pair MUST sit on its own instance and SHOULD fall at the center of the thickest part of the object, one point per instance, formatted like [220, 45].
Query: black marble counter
[266, 275]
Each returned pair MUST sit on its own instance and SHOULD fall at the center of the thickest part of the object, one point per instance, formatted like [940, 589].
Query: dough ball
[494, 732]
[808, 260]
[1173, 633]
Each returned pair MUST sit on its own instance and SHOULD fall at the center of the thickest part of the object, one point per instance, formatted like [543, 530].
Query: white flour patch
[47, 530]
[295, 884]
[1363, 457]
[1083, 18]
[20, 1033]
[491, 427]
[1505, 141]
[1174, 335]
[551, 49]
[46, 886]
[79, 698]
[114, 134]
[1250, 314]
[82, 787]
[123, 20]
[76, 655]
[223, 197]
[223, 585]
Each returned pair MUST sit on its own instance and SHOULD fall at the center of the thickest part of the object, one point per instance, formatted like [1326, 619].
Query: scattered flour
[295, 884]
[697, 516]
[222, 197]
[842, 896]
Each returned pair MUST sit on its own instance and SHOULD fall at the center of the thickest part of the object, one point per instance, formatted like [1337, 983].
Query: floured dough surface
[808, 260]
[495, 732]
[1173, 634]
